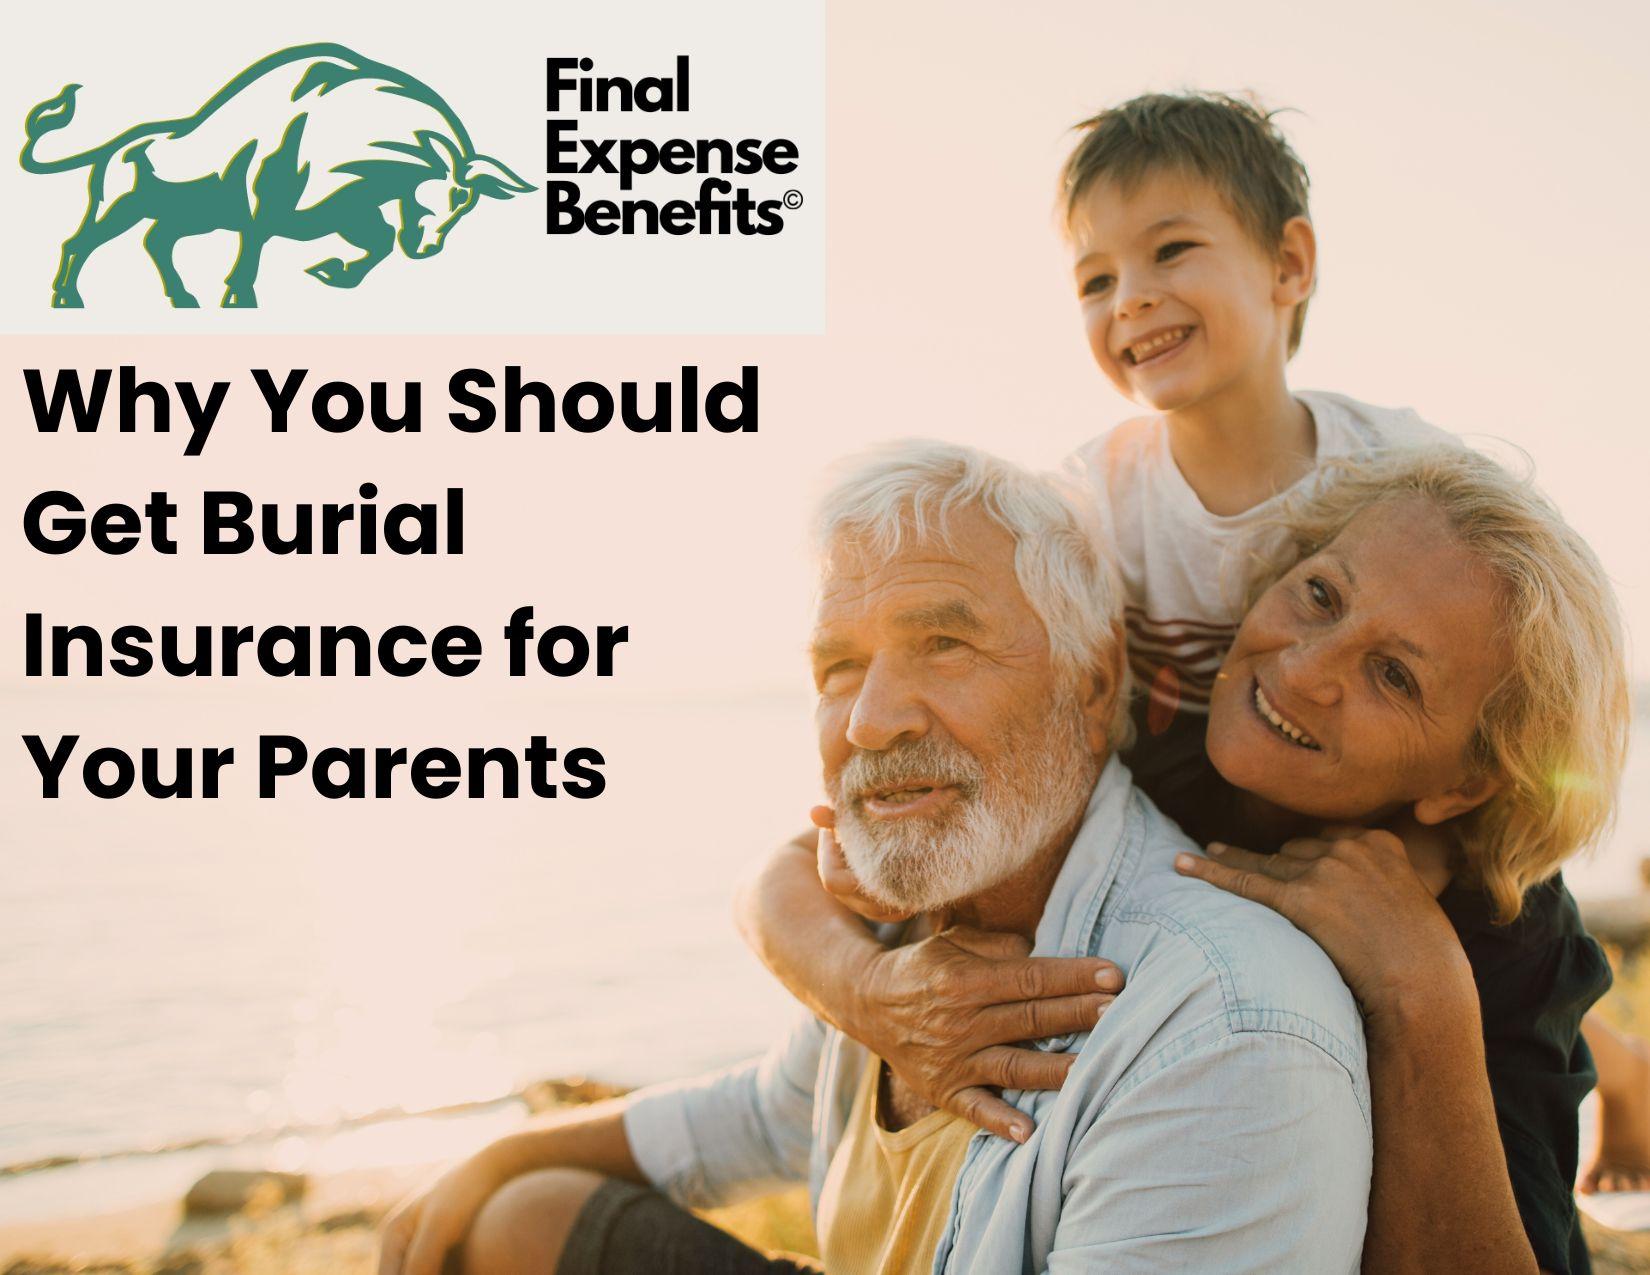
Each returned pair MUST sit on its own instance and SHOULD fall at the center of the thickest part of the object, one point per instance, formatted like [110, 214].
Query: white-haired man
[970, 678]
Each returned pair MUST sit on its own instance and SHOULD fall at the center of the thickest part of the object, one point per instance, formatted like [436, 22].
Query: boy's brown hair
[1229, 142]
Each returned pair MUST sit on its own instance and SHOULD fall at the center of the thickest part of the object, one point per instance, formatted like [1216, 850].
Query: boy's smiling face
[1180, 303]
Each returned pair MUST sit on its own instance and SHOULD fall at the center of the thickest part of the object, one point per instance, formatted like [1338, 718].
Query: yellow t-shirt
[887, 1194]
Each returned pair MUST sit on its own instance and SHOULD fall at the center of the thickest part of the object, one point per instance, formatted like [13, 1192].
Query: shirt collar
[1091, 865]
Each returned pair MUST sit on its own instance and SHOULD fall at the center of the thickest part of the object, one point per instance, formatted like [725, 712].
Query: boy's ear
[1104, 685]
[1468, 795]
[1297, 262]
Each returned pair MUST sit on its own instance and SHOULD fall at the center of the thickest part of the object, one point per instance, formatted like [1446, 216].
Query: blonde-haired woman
[1536, 781]
[1424, 715]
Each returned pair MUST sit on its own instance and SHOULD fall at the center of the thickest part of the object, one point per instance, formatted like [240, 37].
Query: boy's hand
[838, 879]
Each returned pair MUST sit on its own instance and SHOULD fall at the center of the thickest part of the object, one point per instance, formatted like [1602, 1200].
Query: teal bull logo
[308, 142]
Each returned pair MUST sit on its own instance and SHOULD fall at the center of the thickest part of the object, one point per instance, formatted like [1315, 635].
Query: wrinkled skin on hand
[944, 1012]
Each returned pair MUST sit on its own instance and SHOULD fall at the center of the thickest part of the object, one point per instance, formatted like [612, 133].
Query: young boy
[1195, 261]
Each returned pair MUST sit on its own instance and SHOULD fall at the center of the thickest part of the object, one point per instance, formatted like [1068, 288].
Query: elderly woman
[1423, 715]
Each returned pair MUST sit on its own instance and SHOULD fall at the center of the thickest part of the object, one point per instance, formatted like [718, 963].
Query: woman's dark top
[1536, 978]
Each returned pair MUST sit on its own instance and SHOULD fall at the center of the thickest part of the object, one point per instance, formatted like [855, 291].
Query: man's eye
[1320, 593]
[1093, 287]
[1169, 251]
[836, 670]
[946, 644]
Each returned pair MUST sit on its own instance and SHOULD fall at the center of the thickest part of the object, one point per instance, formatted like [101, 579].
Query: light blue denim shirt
[1216, 1120]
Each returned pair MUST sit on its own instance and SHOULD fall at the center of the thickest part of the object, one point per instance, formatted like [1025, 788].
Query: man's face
[1179, 301]
[952, 752]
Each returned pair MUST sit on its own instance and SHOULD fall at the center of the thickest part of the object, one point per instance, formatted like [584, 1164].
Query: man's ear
[1104, 685]
[1466, 796]
[1297, 262]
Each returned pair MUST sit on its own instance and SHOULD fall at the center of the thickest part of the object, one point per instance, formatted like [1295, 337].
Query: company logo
[308, 142]
[711, 204]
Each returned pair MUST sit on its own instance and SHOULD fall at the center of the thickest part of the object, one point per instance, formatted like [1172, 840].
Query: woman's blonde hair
[1554, 729]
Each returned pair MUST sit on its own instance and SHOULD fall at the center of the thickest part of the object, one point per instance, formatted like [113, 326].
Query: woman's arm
[941, 1012]
[1440, 1198]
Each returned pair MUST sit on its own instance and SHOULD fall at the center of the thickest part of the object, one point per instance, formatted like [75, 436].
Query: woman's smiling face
[1356, 683]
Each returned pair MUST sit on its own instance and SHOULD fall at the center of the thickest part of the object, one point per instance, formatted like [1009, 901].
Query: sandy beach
[332, 1228]
[333, 1232]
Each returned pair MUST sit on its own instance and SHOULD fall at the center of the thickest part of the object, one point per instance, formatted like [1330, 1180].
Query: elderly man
[969, 668]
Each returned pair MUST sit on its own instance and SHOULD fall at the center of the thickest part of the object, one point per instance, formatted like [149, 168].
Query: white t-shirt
[1185, 570]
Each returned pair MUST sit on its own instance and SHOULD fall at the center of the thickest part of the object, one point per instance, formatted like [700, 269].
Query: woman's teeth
[1139, 353]
[1283, 724]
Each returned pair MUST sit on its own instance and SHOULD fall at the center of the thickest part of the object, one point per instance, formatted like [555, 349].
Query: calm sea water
[251, 978]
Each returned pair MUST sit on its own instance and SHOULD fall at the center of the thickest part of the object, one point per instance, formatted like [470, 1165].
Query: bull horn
[487, 176]
[444, 147]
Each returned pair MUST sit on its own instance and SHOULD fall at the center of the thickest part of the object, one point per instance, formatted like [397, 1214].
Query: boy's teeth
[1277, 719]
[1148, 348]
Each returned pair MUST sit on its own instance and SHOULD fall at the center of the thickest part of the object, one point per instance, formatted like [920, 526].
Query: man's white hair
[900, 493]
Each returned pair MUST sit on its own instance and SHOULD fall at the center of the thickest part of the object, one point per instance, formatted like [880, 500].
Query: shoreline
[332, 1231]
[155, 1236]
[352, 1175]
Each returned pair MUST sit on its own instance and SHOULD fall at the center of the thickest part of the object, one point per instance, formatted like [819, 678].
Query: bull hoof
[332, 272]
[233, 300]
[184, 301]
[69, 300]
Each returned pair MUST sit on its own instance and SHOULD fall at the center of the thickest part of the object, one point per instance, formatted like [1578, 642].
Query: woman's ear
[1466, 796]
[1297, 262]
[1104, 685]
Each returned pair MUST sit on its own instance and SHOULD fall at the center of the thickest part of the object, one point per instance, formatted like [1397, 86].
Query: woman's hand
[838, 878]
[940, 1010]
[1356, 894]
[943, 1012]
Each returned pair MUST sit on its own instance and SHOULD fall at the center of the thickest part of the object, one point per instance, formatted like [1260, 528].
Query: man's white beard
[1037, 789]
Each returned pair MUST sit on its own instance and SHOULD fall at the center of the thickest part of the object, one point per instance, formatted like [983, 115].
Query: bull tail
[52, 114]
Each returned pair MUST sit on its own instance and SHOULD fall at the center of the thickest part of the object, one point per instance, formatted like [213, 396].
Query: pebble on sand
[235, 1190]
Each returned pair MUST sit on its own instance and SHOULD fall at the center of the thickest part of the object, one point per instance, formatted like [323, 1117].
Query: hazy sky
[1479, 189]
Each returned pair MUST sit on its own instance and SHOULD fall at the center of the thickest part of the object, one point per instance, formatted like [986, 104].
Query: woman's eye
[1095, 286]
[1397, 677]
[1169, 251]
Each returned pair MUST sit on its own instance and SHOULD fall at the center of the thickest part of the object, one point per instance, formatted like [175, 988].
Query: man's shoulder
[1246, 964]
